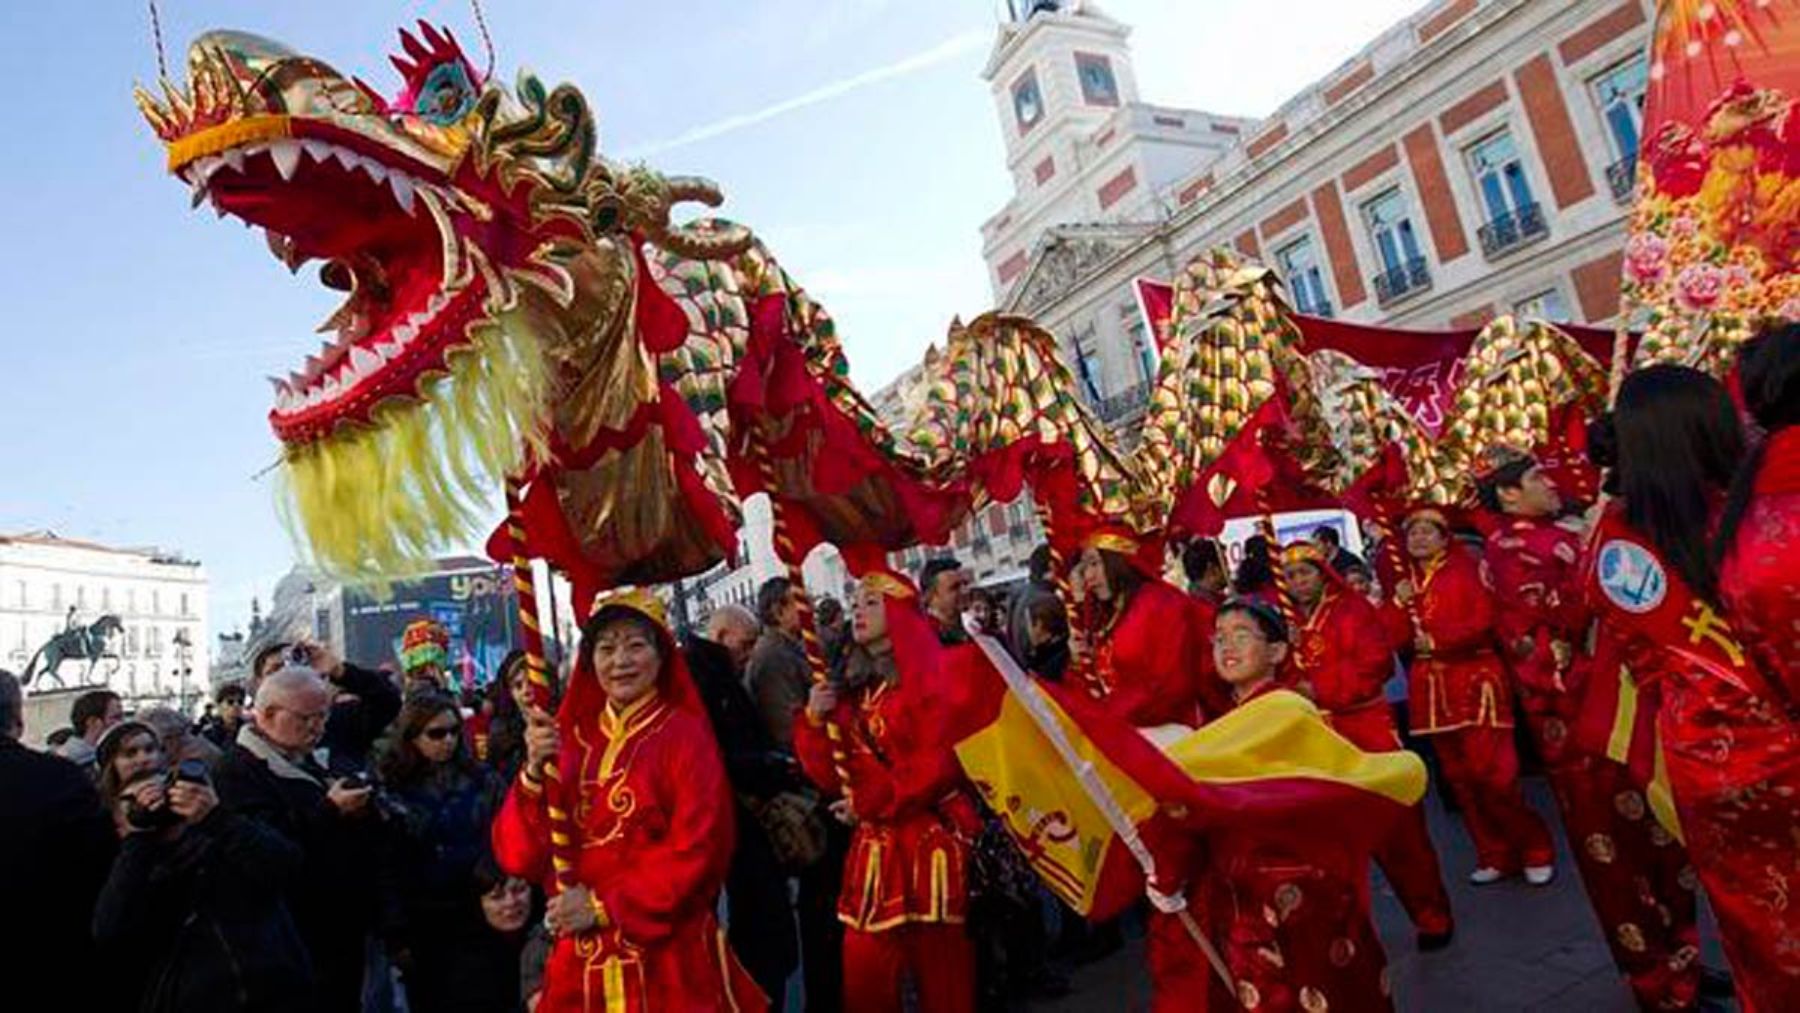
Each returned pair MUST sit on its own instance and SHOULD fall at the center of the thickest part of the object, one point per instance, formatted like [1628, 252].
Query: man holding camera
[271, 775]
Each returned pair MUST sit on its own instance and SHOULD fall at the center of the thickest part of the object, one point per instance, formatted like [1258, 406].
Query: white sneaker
[1540, 875]
[1485, 875]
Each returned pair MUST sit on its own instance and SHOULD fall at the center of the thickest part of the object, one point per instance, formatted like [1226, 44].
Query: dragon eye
[446, 96]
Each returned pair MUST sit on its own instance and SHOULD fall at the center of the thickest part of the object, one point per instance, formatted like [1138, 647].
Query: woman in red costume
[1458, 695]
[1342, 659]
[1636, 874]
[1144, 646]
[1730, 747]
[905, 886]
[1760, 533]
[652, 828]
[1297, 930]
[1144, 654]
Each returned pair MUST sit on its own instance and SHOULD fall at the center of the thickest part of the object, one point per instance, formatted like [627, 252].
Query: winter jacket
[198, 920]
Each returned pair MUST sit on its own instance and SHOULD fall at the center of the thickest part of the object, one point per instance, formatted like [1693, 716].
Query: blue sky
[856, 136]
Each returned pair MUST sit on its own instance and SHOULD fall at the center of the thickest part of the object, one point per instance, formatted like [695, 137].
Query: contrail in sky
[950, 48]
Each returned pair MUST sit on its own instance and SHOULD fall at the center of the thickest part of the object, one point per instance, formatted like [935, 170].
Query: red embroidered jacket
[909, 854]
[1458, 681]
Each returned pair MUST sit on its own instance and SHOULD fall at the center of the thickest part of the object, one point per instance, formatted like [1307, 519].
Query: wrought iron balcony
[1621, 176]
[1507, 232]
[1322, 308]
[1407, 279]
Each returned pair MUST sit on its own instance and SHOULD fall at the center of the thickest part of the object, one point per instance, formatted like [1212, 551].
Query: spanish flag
[1076, 786]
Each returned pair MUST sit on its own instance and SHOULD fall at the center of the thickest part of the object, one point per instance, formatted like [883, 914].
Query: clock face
[1028, 103]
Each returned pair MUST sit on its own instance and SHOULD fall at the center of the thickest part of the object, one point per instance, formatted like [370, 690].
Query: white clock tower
[1080, 145]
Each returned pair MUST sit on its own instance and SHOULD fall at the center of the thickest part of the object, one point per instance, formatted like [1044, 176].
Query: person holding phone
[363, 701]
[272, 776]
[192, 913]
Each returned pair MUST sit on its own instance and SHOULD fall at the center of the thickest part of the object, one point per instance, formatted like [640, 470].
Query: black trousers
[760, 915]
[821, 934]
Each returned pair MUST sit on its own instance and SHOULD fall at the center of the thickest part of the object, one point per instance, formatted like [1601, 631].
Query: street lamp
[184, 656]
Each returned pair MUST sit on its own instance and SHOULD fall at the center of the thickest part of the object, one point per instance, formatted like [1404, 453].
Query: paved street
[1517, 947]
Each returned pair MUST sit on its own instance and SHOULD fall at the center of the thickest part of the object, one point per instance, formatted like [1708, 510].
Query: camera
[299, 654]
[162, 817]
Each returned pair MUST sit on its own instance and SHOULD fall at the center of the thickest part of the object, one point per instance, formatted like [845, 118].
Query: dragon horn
[715, 242]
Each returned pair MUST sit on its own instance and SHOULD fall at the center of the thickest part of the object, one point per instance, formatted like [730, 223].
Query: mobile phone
[356, 782]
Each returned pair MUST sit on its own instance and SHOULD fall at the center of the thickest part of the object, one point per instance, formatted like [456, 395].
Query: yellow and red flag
[1076, 786]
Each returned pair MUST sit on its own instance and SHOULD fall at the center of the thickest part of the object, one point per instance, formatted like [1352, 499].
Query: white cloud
[949, 49]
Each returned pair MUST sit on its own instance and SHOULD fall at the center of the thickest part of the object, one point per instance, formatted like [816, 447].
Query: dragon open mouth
[384, 236]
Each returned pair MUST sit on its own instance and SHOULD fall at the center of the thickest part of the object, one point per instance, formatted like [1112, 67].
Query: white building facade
[161, 652]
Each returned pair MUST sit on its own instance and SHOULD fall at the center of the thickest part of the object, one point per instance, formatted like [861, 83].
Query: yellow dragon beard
[374, 501]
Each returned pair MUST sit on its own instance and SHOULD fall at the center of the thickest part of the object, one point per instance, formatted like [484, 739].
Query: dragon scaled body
[520, 309]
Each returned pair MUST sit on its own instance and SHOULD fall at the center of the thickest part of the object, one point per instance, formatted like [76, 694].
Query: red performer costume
[1757, 577]
[1150, 665]
[1342, 652]
[1458, 695]
[1150, 660]
[1297, 930]
[1731, 752]
[905, 886]
[653, 826]
[1636, 874]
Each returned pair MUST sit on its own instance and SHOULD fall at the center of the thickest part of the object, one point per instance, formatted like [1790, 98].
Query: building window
[1098, 88]
[1513, 216]
[131, 601]
[131, 641]
[1620, 95]
[184, 604]
[56, 597]
[152, 642]
[1546, 305]
[81, 596]
[1397, 249]
[155, 603]
[1300, 266]
[1028, 102]
[1086, 369]
[24, 596]
[106, 599]
[1141, 348]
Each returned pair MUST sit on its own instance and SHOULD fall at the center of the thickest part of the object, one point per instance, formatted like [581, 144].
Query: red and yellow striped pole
[1060, 578]
[549, 775]
[786, 551]
[1284, 598]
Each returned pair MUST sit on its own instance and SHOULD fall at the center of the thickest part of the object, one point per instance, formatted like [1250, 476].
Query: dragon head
[490, 259]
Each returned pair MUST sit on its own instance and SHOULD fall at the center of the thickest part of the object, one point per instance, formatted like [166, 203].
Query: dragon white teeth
[204, 167]
[318, 151]
[436, 303]
[286, 402]
[277, 383]
[364, 361]
[198, 195]
[402, 185]
[404, 333]
[286, 156]
[388, 351]
[345, 157]
[235, 159]
[376, 170]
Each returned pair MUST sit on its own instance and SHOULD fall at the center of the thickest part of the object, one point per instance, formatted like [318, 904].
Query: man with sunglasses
[271, 774]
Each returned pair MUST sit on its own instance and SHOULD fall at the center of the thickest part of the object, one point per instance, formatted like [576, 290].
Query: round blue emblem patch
[1632, 576]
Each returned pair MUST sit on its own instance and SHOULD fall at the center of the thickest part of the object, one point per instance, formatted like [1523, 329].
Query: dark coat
[780, 681]
[443, 822]
[355, 724]
[343, 886]
[201, 920]
[55, 846]
[760, 917]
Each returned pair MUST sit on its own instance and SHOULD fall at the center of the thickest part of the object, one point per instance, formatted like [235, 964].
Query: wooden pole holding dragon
[537, 672]
[787, 551]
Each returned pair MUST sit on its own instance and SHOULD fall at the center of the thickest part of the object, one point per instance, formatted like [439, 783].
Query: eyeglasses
[439, 734]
